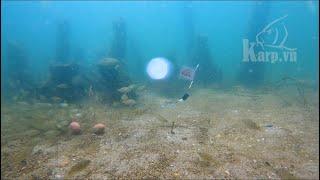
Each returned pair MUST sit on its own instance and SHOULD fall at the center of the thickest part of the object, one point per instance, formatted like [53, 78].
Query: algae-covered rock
[124, 97]
[129, 102]
[251, 124]
[127, 89]
[79, 166]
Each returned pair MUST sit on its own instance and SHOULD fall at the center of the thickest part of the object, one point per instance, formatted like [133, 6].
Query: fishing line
[186, 95]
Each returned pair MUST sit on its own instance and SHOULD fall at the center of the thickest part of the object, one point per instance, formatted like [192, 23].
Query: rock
[141, 88]
[109, 62]
[124, 90]
[128, 89]
[99, 128]
[62, 125]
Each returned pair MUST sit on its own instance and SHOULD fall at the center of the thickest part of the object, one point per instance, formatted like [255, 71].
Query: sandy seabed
[214, 134]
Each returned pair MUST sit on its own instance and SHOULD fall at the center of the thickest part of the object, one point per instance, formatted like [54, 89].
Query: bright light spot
[158, 68]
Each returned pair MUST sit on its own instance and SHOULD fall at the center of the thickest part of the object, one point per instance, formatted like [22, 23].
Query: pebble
[78, 115]
[227, 172]
[59, 176]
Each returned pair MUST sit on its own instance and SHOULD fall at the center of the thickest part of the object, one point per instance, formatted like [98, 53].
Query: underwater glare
[158, 68]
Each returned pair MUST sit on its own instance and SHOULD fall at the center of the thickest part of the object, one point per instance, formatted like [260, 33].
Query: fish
[63, 86]
[63, 105]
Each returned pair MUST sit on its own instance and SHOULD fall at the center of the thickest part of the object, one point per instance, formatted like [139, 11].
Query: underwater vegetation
[68, 81]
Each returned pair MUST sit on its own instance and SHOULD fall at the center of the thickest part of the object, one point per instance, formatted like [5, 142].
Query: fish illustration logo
[270, 45]
[274, 35]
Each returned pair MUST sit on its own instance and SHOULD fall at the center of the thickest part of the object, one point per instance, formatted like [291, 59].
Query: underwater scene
[159, 90]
